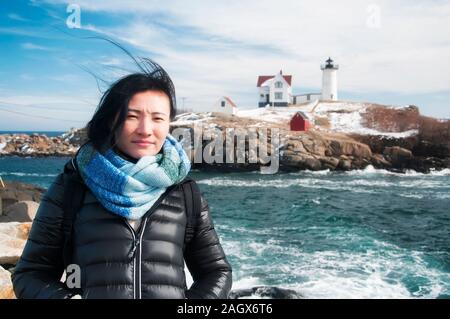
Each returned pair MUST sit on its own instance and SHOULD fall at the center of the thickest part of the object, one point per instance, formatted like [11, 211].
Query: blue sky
[389, 52]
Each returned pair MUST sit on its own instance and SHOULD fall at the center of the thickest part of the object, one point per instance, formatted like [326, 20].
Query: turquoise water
[360, 234]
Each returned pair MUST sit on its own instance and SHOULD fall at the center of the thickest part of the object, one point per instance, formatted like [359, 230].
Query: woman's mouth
[143, 143]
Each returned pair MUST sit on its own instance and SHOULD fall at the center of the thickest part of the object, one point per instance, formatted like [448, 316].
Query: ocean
[360, 234]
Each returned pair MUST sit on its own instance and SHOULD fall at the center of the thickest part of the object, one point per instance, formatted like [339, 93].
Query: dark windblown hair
[112, 109]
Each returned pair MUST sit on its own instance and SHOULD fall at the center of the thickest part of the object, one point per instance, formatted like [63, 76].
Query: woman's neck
[124, 155]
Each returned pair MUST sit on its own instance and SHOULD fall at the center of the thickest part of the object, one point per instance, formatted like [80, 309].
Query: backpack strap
[192, 197]
[74, 190]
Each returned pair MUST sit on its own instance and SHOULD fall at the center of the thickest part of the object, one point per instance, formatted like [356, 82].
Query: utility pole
[183, 98]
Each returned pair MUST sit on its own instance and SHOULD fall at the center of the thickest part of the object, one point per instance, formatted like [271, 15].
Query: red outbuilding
[300, 122]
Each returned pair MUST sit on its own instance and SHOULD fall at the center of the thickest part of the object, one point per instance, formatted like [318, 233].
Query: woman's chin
[141, 153]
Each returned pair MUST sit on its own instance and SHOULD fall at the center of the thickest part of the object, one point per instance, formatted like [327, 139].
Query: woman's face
[146, 125]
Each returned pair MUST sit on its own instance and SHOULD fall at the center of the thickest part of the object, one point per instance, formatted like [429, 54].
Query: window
[278, 96]
[278, 84]
[223, 103]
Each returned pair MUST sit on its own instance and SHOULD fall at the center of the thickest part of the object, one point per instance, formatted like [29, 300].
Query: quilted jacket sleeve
[206, 261]
[39, 270]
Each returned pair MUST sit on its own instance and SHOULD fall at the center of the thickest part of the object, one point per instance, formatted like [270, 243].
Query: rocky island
[342, 136]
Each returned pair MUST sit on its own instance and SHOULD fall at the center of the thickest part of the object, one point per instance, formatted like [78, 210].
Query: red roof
[301, 114]
[229, 101]
[264, 78]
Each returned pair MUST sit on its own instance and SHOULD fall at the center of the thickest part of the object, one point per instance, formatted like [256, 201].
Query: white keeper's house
[276, 90]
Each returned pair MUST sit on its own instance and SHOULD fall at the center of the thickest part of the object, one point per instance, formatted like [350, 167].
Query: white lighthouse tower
[329, 80]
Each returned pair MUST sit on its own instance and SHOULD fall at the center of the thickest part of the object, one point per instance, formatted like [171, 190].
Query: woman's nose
[145, 127]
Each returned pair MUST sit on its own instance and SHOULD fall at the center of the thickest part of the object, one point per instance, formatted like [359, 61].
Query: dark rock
[345, 164]
[265, 292]
[329, 162]
[313, 164]
[15, 192]
[378, 161]
[23, 211]
[378, 143]
[425, 148]
[398, 156]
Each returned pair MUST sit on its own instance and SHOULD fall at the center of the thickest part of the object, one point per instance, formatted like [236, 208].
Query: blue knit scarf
[130, 189]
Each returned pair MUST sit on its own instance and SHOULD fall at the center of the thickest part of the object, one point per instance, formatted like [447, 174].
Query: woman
[128, 236]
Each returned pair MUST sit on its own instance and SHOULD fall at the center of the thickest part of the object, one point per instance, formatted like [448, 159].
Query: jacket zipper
[136, 253]
[131, 255]
[140, 257]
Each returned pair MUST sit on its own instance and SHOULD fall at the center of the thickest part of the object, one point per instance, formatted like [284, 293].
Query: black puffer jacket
[102, 243]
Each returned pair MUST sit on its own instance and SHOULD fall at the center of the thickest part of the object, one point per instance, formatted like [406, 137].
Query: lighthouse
[329, 80]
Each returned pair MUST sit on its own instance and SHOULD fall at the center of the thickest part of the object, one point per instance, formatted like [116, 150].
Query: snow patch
[346, 118]
[278, 115]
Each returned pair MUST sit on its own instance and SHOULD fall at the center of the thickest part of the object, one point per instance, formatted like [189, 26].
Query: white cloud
[213, 48]
[111, 61]
[16, 17]
[27, 31]
[32, 46]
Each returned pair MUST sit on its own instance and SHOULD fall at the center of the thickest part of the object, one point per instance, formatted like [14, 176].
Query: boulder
[301, 161]
[330, 162]
[20, 212]
[348, 147]
[360, 163]
[313, 164]
[15, 192]
[13, 237]
[379, 161]
[6, 288]
[398, 156]
[345, 164]
[290, 159]
[314, 146]
[296, 146]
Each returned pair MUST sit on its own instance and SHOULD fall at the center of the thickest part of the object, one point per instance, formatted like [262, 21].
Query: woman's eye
[132, 116]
